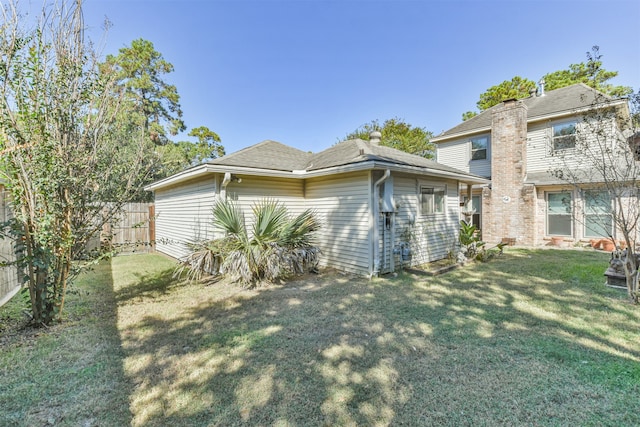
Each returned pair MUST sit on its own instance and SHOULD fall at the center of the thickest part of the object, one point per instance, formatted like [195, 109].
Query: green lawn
[531, 338]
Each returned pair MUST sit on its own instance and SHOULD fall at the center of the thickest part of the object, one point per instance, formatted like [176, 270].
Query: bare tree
[64, 155]
[600, 159]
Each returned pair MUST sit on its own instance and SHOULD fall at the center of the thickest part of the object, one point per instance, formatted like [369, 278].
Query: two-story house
[516, 144]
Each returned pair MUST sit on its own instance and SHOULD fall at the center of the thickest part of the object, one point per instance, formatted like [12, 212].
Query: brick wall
[507, 207]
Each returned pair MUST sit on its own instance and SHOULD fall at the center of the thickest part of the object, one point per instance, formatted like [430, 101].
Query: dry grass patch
[531, 338]
[71, 373]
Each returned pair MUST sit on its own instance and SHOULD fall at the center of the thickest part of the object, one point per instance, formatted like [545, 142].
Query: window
[479, 147]
[559, 217]
[432, 200]
[476, 203]
[564, 135]
[634, 141]
[597, 214]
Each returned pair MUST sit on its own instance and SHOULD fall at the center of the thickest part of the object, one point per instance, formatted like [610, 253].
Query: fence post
[152, 227]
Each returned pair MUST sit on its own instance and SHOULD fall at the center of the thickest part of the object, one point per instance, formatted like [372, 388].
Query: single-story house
[375, 203]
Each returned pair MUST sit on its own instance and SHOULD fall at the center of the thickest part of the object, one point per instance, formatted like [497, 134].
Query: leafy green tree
[148, 99]
[208, 146]
[398, 134]
[177, 156]
[590, 73]
[517, 88]
[61, 159]
[469, 115]
[140, 69]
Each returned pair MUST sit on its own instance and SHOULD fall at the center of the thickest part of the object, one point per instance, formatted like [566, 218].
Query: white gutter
[438, 139]
[353, 167]
[376, 220]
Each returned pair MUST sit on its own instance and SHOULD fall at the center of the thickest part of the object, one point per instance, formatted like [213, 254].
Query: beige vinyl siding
[457, 154]
[540, 157]
[431, 236]
[405, 189]
[481, 167]
[252, 190]
[342, 204]
[538, 147]
[183, 215]
[454, 153]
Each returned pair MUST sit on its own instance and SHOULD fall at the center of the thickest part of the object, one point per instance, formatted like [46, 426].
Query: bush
[278, 245]
[473, 247]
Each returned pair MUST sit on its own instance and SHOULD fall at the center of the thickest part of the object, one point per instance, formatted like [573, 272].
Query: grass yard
[531, 338]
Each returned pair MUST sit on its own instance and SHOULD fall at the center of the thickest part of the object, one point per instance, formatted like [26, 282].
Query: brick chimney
[507, 203]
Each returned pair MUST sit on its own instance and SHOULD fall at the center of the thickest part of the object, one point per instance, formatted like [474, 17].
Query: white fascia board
[569, 113]
[204, 169]
[372, 164]
[201, 170]
[481, 130]
[434, 172]
[191, 173]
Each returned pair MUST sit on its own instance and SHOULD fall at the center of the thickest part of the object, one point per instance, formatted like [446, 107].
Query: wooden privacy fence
[133, 231]
[9, 284]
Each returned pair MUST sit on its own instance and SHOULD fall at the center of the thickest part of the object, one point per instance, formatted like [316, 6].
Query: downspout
[376, 216]
[223, 186]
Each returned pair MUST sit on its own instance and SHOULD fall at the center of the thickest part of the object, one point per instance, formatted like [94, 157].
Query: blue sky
[307, 72]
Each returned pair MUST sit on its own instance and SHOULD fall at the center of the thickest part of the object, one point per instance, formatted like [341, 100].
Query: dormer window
[479, 147]
[564, 135]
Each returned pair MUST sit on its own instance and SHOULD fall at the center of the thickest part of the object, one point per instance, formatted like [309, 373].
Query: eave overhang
[205, 169]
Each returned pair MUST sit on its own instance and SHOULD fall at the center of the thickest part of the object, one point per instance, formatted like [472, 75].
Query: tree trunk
[631, 275]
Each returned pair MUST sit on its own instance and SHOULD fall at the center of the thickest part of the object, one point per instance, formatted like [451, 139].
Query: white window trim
[487, 149]
[585, 213]
[571, 215]
[435, 187]
[553, 137]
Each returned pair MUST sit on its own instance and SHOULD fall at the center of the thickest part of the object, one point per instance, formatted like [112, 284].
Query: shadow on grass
[148, 286]
[495, 344]
[70, 374]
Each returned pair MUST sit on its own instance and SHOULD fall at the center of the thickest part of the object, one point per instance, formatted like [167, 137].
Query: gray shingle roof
[270, 155]
[357, 150]
[554, 102]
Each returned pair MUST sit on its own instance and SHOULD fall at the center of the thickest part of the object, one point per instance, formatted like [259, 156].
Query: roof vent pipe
[374, 137]
[541, 84]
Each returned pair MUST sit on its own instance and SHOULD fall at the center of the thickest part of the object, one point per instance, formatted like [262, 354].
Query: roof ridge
[554, 102]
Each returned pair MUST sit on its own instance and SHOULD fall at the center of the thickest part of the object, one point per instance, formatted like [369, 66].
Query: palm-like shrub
[277, 245]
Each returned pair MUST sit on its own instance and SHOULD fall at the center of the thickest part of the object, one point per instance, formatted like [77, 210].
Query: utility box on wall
[386, 201]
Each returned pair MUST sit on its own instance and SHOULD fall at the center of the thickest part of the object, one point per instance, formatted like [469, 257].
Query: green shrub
[472, 245]
[278, 245]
